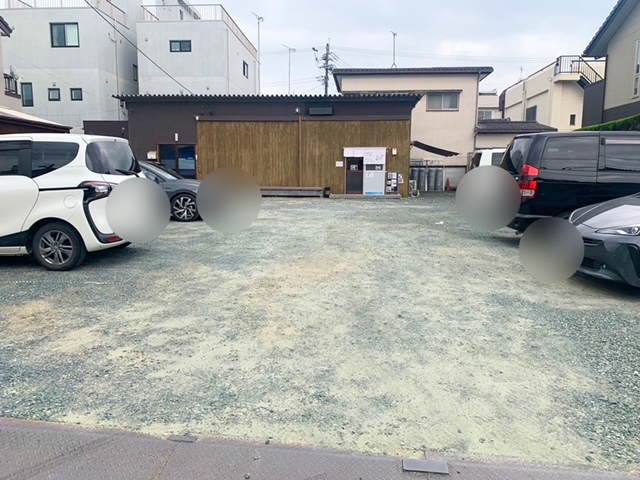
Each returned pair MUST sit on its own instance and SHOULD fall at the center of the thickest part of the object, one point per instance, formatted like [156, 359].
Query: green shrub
[631, 124]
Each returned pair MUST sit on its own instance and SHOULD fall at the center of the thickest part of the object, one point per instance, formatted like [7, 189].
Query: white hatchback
[53, 195]
[482, 158]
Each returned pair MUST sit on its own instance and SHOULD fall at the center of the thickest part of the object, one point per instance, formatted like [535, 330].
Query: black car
[561, 172]
[181, 191]
[611, 235]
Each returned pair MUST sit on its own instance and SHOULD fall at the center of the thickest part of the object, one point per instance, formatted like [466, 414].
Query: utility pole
[260, 20]
[290, 51]
[326, 69]
[326, 65]
[394, 49]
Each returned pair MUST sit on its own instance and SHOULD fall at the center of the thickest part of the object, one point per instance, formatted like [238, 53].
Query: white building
[72, 58]
[489, 106]
[200, 46]
[554, 95]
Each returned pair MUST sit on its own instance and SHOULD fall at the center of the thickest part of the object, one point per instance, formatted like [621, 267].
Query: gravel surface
[368, 326]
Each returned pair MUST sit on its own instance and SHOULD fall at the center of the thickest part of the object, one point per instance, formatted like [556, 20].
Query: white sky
[503, 34]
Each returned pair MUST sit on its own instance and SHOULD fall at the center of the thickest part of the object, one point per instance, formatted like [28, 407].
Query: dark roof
[431, 149]
[598, 46]
[342, 72]
[383, 97]
[504, 125]
[5, 29]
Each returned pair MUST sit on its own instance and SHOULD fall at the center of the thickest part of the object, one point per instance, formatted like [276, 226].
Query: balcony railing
[186, 12]
[576, 64]
[105, 6]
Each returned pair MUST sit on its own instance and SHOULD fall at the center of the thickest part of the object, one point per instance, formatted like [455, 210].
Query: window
[76, 94]
[622, 156]
[49, 156]
[108, 157]
[443, 101]
[532, 114]
[517, 153]
[180, 45]
[572, 148]
[54, 94]
[636, 72]
[10, 85]
[27, 94]
[484, 115]
[245, 69]
[64, 35]
[572, 119]
[496, 158]
[9, 158]
[179, 158]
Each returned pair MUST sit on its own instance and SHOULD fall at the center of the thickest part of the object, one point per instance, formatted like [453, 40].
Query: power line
[136, 47]
[435, 55]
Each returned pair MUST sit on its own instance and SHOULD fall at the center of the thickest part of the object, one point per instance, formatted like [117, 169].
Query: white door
[18, 195]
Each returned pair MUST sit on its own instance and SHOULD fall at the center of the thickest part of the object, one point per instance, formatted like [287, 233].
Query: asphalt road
[366, 326]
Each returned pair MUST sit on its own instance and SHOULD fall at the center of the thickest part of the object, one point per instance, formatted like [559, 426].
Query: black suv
[561, 172]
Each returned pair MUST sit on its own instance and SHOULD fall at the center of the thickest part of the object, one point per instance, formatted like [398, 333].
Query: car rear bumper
[611, 257]
[521, 222]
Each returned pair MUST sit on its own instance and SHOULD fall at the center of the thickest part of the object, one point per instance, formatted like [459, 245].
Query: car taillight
[528, 181]
[113, 239]
[95, 190]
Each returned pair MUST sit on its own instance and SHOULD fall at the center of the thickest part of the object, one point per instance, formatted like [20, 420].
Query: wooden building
[350, 144]
[13, 121]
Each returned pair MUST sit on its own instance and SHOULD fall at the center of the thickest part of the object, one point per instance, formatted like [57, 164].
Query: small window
[622, 157]
[572, 148]
[76, 94]
[496, 159]
[443, 101]
[245, 69]
[572, 119]
[27, 94]
[180, 45]
[54, 94]
[49, 156]
[10, 85]
[64, 35]
[135, 73]
[9, 159]
[484, 115]
[532, 114]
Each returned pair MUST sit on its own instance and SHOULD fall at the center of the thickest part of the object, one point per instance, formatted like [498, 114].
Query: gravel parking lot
[367, 326]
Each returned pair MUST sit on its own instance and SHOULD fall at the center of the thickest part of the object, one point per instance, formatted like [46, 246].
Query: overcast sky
[503, 34]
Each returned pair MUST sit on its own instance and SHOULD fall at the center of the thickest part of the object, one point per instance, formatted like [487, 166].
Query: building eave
[598, 46]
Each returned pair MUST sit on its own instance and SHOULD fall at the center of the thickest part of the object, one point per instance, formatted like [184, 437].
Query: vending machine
[375, 178]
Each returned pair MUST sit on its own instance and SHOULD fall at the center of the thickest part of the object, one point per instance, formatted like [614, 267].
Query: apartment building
[11, 97]
[554, 95]
[200, 46]
[71, 58]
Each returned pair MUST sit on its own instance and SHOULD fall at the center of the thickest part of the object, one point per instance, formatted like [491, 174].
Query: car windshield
[516, 155]
[162, 171]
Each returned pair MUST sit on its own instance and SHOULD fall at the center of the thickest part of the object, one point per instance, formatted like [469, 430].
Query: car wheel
[184, 208]
[57, 246]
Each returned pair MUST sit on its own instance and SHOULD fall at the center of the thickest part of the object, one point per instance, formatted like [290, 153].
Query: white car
[53, 195]
[483, 158]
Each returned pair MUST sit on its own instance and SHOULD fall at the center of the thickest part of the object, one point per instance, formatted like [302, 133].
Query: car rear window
[475, 161]
[49, 156]
[516, 155]
[496, 158]
[571, 148]
[111, 158]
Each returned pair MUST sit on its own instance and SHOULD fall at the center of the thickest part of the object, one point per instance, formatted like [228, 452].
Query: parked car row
[57, 186]
[591, 179]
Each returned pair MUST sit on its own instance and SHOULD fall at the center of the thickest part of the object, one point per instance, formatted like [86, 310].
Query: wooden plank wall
[299, 154]
[266, 150]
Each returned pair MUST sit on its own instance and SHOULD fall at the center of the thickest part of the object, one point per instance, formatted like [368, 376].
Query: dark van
[561, 172]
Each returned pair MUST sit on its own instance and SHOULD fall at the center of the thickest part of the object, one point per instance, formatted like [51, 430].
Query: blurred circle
[551, 250]
[229, 200]
[138, 210]
[488, 198]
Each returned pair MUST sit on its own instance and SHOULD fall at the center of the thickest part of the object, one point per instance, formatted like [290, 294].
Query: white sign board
[339, 164]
